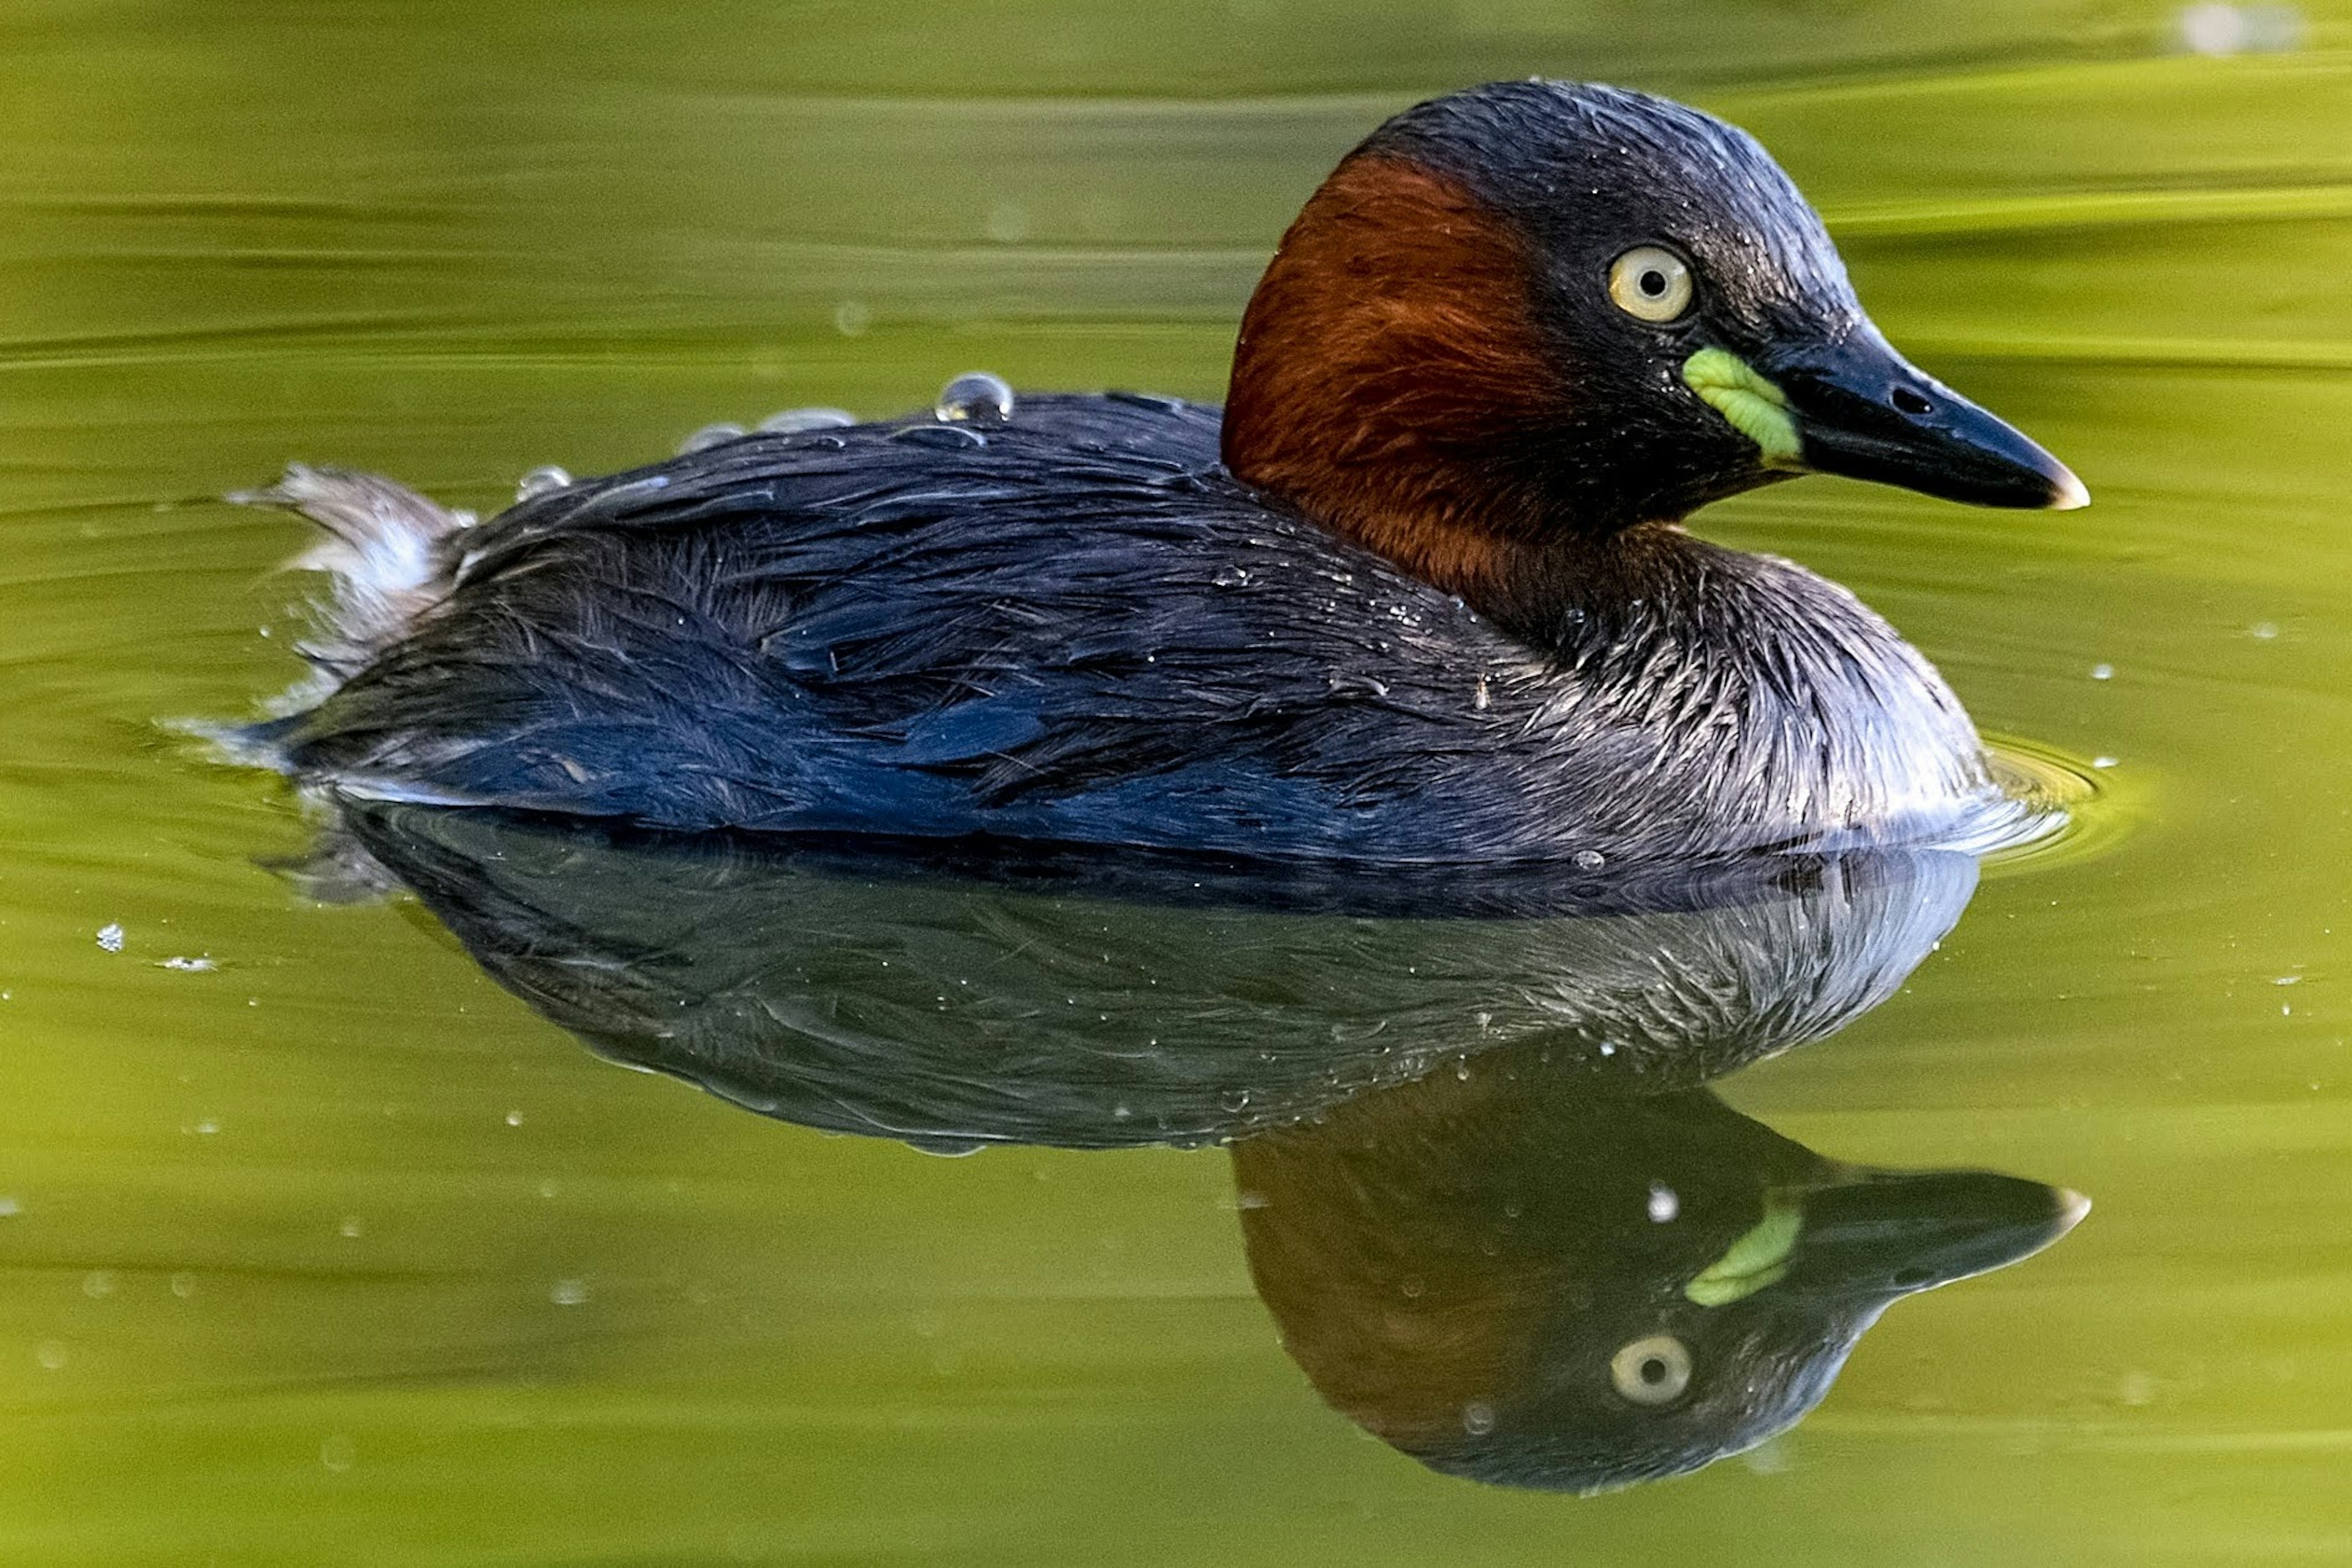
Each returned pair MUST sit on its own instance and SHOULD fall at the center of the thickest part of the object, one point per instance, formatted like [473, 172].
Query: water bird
[1420, 593]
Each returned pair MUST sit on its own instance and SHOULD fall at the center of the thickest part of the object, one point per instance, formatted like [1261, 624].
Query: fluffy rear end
[388, 552]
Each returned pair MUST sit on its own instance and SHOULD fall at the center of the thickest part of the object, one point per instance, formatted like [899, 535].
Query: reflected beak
[1888, 1234]
[1863, 411]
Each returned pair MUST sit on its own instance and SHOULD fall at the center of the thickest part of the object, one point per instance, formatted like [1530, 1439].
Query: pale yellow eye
[1651, 282]
[1653, 1370]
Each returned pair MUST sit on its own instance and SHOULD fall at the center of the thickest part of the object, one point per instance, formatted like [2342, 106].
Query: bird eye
[1653, 1370]
[1651, 282]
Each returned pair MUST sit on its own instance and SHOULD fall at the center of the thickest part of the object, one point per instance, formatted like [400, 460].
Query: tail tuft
[387, 548]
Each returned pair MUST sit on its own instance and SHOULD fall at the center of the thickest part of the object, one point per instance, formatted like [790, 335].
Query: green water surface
[329, 1251]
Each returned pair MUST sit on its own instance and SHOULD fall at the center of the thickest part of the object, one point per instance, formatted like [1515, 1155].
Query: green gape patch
[1756, 408]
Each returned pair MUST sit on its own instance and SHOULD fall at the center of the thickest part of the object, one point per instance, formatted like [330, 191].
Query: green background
[280, 1241]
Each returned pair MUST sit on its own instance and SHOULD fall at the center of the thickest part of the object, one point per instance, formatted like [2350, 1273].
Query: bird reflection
[1500, 1223]
[1512, 1277]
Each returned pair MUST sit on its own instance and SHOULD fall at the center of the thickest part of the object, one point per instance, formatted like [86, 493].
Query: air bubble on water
[974, 397]
[100, 1282]
[1477, 1418]
[2219, 30]
[350, 1227]
[183, 1285]
[204, 1127]
[337, 1453]
[2288, 980]
[51, 1354]
[568, 1293]
[545, 480]
[2103, 763]
[204, 964]
[2103, 672]
[109, 936]
[514, 1118]
[2263, 631]
[1590, 859]
[1665, 1203]
[1008, 222]
[710, 435]
[851, 317]
[1608, 1047]
[793, 421]
[10, 1209]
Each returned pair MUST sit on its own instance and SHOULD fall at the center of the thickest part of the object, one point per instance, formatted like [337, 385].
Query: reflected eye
[1651, 282]
[1653, 1370]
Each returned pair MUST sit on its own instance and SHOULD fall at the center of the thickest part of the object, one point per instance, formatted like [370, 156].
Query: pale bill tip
[2071, 1206]
[2072, 495]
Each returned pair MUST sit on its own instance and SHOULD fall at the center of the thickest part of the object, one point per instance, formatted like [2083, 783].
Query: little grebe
[1421, 594]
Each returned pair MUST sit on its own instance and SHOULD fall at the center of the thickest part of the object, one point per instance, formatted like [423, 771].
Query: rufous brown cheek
[1388, 365]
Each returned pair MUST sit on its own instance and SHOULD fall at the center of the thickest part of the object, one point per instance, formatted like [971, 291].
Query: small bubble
[2103, 763]
[793, 421]
[1250, 1198]
[1590, 859]
[50, 1353]
[2288, 980]
[543, 480]
[1608, 1047]
[514, 1118]
[202, 966]
[548, 1188]
[851, 317]
[337, 1453]
[2264, 630]
[1665, 1203]
[206, 1128]
[710, 435]
[2136, 1388]
[2103, 672]
[974, 397]
[1477, 1418]
[352, 1228]
[1008, 222]
[568, 1293]
[10, 1209]
[109, 937]
[1413, 1287]
[183, 1285]
[100, 1282]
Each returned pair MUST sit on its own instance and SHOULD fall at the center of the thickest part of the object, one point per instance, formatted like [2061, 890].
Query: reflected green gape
[1757, 1259]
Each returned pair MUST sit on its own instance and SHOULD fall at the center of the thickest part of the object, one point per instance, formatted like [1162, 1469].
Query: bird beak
[1862, 410]
[1885, 1234]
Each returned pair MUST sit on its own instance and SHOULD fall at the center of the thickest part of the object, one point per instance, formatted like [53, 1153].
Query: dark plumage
[1432, 605]
[1046, 1002]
